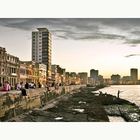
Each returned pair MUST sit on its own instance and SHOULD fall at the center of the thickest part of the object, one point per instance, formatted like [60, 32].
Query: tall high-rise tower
[94, 74]
[42, 47]
[134, 74]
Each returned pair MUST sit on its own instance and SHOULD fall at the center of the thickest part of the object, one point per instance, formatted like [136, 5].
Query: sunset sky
[110, 45]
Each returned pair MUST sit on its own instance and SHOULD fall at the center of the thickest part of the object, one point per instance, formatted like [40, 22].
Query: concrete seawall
[13, 103]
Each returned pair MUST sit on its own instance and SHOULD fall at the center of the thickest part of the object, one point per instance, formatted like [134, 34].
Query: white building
[41, 48]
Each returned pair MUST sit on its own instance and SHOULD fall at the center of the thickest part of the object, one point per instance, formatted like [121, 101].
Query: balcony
[13, 74]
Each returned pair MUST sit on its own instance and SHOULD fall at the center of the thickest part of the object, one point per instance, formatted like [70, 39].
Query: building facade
[23, 72]
[94, 74]
[58, 74]
[126, 80]
[83, 77]
[31, 71]
[41, 48]
[72, 78]
[134, 75]
[3, 65]
[115, 78]
[13, 65]
[9, 67]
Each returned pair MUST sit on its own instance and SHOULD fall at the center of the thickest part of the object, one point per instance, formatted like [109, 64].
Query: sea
[128, 92]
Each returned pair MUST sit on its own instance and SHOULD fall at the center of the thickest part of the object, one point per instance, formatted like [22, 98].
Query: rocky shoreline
[83, 106]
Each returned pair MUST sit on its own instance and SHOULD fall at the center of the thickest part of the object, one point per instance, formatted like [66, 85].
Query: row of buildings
[115, 79]
[15, 71]
[39, 69]
[131, 79]
[41, 53]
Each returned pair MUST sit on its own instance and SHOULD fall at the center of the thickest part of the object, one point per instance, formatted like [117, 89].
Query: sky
[111, 45]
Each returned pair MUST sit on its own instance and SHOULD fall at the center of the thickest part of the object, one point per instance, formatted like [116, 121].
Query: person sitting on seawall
[6, 86]
[18, 86]
[23, 90]
[27, 85]
[39, 85]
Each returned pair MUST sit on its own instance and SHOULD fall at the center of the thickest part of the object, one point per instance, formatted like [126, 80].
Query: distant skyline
[110, 45]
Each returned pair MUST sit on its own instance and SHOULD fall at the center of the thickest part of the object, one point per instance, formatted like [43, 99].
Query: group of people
[31, 85]
[6, 86]
[27, 85]
[21, 86]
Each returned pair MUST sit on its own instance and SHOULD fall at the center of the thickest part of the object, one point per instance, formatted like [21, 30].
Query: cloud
[136, 32]
[82, 28]
[133, 41]
[91, 36]
[130, 55]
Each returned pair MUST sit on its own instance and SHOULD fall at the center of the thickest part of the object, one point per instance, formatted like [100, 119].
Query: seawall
[12, 103]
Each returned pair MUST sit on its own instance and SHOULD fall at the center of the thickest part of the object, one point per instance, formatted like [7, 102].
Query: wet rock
[130, 113]
[112, 110]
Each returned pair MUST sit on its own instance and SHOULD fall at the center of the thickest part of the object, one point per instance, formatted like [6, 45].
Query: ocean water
[128, 92]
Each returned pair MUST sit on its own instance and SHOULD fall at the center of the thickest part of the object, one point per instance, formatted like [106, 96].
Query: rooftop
[42, 29]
